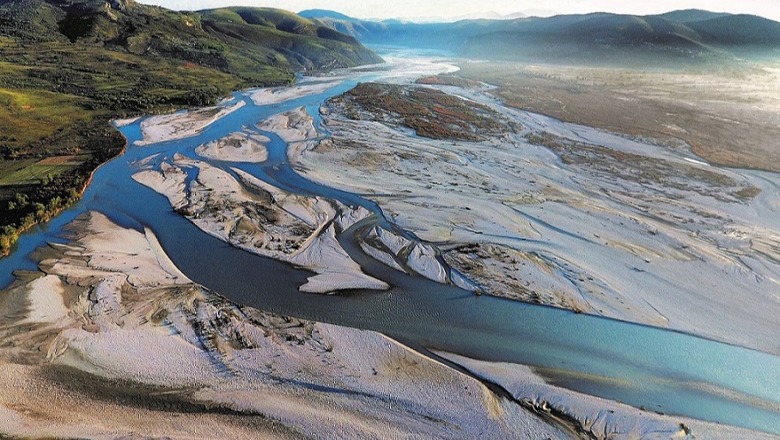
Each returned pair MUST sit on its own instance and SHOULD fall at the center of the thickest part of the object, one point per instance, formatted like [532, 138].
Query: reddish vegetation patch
[60, 160]
[429, 112]
[448, 80]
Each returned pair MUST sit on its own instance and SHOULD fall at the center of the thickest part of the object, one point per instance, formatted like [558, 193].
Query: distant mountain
[739, 30]
[488, 15]
[679, 36]
[404, 33]
[691, 15]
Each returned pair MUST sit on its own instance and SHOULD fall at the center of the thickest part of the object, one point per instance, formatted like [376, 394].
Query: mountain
[678, 37]
[739, 30]
[404, 33]
[70, 66]
[328, 15]
[691, 15]
[220, 38]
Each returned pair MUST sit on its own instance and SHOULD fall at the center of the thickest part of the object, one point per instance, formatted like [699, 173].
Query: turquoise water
[657, 369]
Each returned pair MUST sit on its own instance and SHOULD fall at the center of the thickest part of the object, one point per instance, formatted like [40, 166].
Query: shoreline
[65, 207]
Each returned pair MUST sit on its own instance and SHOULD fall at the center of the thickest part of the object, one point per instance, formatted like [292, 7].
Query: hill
[67, 67]
[691, 15]
[739, 31]
[323, 13]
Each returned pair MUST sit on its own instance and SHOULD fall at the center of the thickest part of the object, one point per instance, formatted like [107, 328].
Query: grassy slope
[67, 68]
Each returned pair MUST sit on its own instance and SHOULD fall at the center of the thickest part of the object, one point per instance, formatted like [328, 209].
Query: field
[24, 173]
[728, 115]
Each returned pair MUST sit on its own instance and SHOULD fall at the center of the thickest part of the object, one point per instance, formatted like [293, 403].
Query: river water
[657, 369]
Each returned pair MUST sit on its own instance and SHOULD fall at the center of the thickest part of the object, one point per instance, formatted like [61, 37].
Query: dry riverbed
[728, 115]
[110, 340]
[253, 215]
[569, 216]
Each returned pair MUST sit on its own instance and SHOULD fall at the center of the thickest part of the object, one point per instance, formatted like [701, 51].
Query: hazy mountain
[739, 30]
[489, 15]
[404, 33]
[679, 36]
[691, 15]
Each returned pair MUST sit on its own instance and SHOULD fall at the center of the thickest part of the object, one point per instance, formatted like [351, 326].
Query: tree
[21, 200]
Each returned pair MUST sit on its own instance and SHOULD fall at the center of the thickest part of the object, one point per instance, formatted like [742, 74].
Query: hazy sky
[452, 8]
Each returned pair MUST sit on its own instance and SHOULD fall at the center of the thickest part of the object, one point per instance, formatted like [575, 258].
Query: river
[653, 368]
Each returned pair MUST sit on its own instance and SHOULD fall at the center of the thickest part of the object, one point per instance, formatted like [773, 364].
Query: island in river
[347, 186]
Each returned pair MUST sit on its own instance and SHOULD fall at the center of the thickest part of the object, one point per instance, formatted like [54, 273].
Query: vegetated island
[67, 68]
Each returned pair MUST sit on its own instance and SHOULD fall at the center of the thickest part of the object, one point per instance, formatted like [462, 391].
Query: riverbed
[646, 367]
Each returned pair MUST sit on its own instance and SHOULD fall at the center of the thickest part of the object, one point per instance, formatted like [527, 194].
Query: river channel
[653, 368]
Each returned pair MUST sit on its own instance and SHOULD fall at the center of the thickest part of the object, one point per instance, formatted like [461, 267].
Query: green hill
[67, 67]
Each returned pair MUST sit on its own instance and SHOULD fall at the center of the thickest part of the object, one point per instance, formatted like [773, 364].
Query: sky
[411, 9]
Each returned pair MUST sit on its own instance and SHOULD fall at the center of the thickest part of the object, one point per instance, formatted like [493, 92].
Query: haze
[412, 9]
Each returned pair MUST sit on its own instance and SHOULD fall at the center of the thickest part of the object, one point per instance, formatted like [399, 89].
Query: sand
[253, 215]
[276, 95]
[237, 147]
[46, 302]
[182, 125]
[125, 122]
[597, 418]
[294, 127]
[133, 350]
